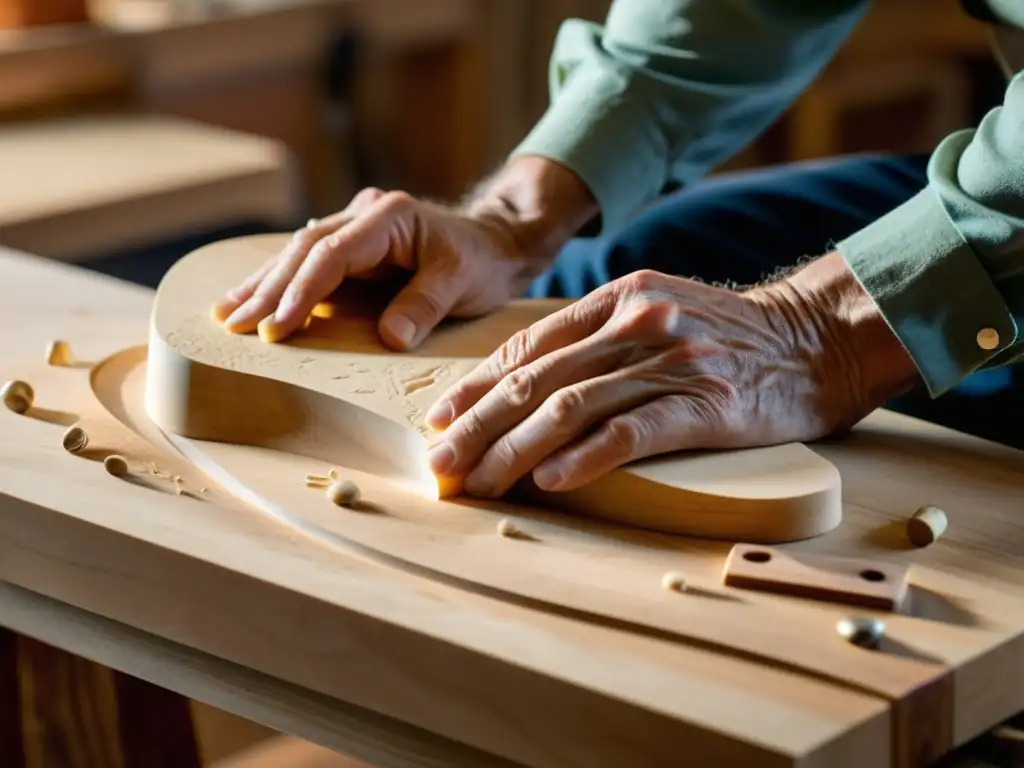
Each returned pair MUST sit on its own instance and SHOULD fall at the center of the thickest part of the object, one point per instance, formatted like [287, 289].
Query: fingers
[670, 423]
[241, 293]
[423, 303]
[559, 329]
[355, 248]
[568, 414]
[517, 396]
[267, 294]
[259, 296]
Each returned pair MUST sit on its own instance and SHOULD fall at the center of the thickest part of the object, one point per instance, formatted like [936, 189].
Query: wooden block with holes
[856, 581]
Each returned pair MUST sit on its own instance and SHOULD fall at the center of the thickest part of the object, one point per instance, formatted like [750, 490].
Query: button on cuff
[988, 339]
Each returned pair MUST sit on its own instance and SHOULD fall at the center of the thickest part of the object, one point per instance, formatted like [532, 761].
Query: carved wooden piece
[334, 393]
[857, 581]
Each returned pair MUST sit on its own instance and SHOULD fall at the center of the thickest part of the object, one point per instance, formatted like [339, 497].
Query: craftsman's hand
[651, 363]
[462, 262]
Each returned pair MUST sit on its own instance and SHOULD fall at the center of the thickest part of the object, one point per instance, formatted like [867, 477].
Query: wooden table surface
[211, 599]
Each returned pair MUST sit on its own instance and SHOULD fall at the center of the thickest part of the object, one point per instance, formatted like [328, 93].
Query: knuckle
[396, 202]
[506, 451]
[626, 435]
[425, 303]
[518, 387]
[644, 281]
[512, 354]
[369, 195]
[304, 238]
[567, 407]
[643, 318]
[330, 243]
[471, 432]
[327, 248]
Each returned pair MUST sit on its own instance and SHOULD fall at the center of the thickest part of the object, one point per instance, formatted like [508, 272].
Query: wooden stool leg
[12, 754]
[77, 714]
[156, 726]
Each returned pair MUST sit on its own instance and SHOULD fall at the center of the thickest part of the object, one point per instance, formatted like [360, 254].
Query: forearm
[538, 202]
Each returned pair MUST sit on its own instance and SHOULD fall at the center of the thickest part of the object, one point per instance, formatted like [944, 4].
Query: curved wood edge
[191, 397]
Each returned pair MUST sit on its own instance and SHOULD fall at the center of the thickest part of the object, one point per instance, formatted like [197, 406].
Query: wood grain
[218, 575]
[742, 678]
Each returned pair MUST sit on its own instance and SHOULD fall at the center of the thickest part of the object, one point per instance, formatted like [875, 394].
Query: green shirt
[666, 89]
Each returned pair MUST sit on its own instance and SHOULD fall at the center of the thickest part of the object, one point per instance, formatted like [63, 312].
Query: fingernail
[548, 478]
[268, 331]
[401, 328]
[441, 458]
[221, 311]
[440, 415]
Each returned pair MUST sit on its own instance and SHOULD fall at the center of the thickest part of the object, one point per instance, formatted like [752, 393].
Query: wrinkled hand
[460, 265]
[645, 365]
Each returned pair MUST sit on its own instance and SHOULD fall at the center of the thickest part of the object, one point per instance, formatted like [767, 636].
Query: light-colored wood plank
[211, 572]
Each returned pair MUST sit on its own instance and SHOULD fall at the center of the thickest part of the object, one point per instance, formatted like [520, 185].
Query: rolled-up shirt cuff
[597, 131]
[932, 290]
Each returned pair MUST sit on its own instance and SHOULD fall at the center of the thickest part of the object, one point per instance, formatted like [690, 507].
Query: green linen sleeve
[666, 89]
[947, 268]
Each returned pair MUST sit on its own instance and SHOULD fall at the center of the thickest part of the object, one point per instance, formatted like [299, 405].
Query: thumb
[420, 306]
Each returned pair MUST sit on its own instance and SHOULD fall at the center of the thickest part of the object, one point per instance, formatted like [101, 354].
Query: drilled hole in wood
[757, 557]
[872, 575]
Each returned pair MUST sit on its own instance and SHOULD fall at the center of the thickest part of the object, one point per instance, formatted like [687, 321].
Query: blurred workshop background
[132, 131]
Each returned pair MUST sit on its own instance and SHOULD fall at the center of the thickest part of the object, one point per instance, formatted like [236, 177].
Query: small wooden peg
[75, 440]
[343, 493]
[116, 465]
[926, 526]
[673, 582]
[18, 396]
[58, 353]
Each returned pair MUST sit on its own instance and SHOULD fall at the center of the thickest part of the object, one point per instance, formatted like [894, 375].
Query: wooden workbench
[222, 604]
